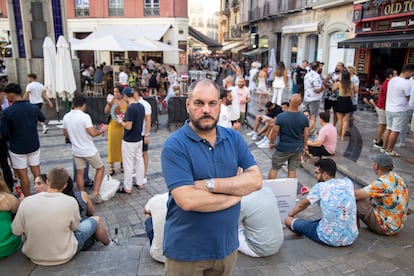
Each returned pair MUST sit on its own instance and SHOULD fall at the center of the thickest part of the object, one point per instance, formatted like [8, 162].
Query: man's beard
[199, 127]
[337, 70]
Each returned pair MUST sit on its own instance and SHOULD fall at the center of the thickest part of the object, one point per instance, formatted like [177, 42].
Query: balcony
[236, 32]
[116, 11]
[151, 11]
[235, 5]
[82, 11]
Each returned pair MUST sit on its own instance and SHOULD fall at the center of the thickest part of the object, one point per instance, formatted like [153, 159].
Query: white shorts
[243, 246]
[22, 161]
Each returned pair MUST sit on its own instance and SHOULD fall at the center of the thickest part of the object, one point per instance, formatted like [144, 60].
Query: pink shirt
[328, 134]
[243, 94]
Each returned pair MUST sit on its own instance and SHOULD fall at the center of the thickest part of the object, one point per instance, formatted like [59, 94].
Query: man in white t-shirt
[224, 119]
[146, 129]
[155, 211]
[35, 93]
[123, 77]
[313, 92]
[234, 108]
[78, 127]
[396, 106]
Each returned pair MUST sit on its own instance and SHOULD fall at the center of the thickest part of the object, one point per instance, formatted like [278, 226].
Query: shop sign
[398, 8]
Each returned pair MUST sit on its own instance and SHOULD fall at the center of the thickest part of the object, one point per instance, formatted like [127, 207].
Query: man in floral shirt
[337, 227]
[383, 204]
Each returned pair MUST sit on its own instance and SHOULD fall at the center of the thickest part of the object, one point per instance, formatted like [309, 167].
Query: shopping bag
[108, 188]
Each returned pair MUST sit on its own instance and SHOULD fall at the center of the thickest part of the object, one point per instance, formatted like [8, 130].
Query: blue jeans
[86, 229]
[149, 229]
[307, 228]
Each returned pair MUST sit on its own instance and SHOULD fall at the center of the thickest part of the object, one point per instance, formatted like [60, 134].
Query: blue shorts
[86, 229]
[307, 228]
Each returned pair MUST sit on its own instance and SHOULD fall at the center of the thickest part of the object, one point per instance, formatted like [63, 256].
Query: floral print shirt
[389, 196]
[337, 201]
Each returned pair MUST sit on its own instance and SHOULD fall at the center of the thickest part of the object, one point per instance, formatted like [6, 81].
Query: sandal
[122, 191]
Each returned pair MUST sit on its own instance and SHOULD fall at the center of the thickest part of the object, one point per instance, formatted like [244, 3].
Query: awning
[379, 41]
[132, 32]
[255, 52]
[238, 49]
[230, 46]
[199, 36]
[300, 28]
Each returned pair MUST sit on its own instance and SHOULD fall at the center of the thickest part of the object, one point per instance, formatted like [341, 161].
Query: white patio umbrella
[110, 43]
[49, 59]
[65, 79]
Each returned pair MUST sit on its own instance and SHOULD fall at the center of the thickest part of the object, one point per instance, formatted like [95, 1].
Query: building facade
[384, 37]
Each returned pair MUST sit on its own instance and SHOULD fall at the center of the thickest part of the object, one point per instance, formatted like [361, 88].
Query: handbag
[108, 188]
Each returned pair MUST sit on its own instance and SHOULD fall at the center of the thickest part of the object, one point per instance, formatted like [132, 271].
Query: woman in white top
[262, 92]
[172, 78]
[280, 83]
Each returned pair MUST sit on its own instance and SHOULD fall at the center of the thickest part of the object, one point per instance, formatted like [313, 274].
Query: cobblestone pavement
[370, 255]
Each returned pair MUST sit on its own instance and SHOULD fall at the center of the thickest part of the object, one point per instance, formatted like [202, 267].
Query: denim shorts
[86, 229]
[307, 228]
[396, 121]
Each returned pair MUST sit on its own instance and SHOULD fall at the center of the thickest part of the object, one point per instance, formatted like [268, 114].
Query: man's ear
[64, 186]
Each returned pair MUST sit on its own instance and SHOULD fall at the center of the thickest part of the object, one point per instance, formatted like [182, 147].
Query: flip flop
[122, 191]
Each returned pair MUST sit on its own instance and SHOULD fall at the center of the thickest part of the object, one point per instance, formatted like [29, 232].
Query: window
[116, 7]
[152, 8]
[82, 7]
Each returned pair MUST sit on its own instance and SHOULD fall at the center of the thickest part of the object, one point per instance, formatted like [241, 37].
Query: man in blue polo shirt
[19, 127]
[200, 165]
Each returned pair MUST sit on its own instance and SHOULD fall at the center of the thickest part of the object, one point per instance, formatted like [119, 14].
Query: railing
[236, 31]
[151, 11]
[116, 11]
[82, 11]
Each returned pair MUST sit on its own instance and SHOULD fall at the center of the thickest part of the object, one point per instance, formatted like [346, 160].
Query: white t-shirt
[234, 109]
[157, 206]
[123, 78]
[311, 82]
[35, 90]
[398, 89]
[76, 122]
[148, 111]
[224, 119]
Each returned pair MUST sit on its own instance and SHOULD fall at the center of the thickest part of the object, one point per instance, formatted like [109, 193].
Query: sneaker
[400, 145]
[96, 199]
[262, 141]
[255, 137]
[250, 133]
[264, 145]
[392, 153]
[382, 150]
[145, 180]
[377, 146]
[45, 129]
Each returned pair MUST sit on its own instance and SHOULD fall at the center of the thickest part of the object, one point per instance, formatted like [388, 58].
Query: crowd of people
[216, 207]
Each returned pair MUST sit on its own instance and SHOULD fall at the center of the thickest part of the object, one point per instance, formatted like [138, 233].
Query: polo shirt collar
[190, 133]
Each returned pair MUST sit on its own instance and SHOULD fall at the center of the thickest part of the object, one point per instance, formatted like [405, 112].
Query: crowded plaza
[230, 161]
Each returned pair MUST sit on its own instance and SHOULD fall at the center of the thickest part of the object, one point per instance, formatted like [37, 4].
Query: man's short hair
[326, 165]
[407, 68]
[78, 101]
[285, 103]
[32, 75]
[13, 88]
[268, 104]
[205, 81]
[325, 116]
[314, 65]
[57, 178]
[389, 72]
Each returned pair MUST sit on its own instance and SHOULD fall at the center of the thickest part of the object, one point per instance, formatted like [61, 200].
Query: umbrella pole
[57, 106]
[67, 102]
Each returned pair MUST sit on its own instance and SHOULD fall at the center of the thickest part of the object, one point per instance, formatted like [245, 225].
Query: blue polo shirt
[185, 157]
[19, 126]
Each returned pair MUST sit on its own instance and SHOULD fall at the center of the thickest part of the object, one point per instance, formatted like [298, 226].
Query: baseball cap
[127, 91]
[383, 160]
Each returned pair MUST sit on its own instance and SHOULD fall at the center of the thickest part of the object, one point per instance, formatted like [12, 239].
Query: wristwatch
[210, 185]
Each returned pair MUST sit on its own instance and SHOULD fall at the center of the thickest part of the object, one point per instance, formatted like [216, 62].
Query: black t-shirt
[272, 113]
[300, 74]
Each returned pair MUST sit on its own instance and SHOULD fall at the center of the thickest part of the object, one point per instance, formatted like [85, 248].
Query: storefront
[384, 37]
